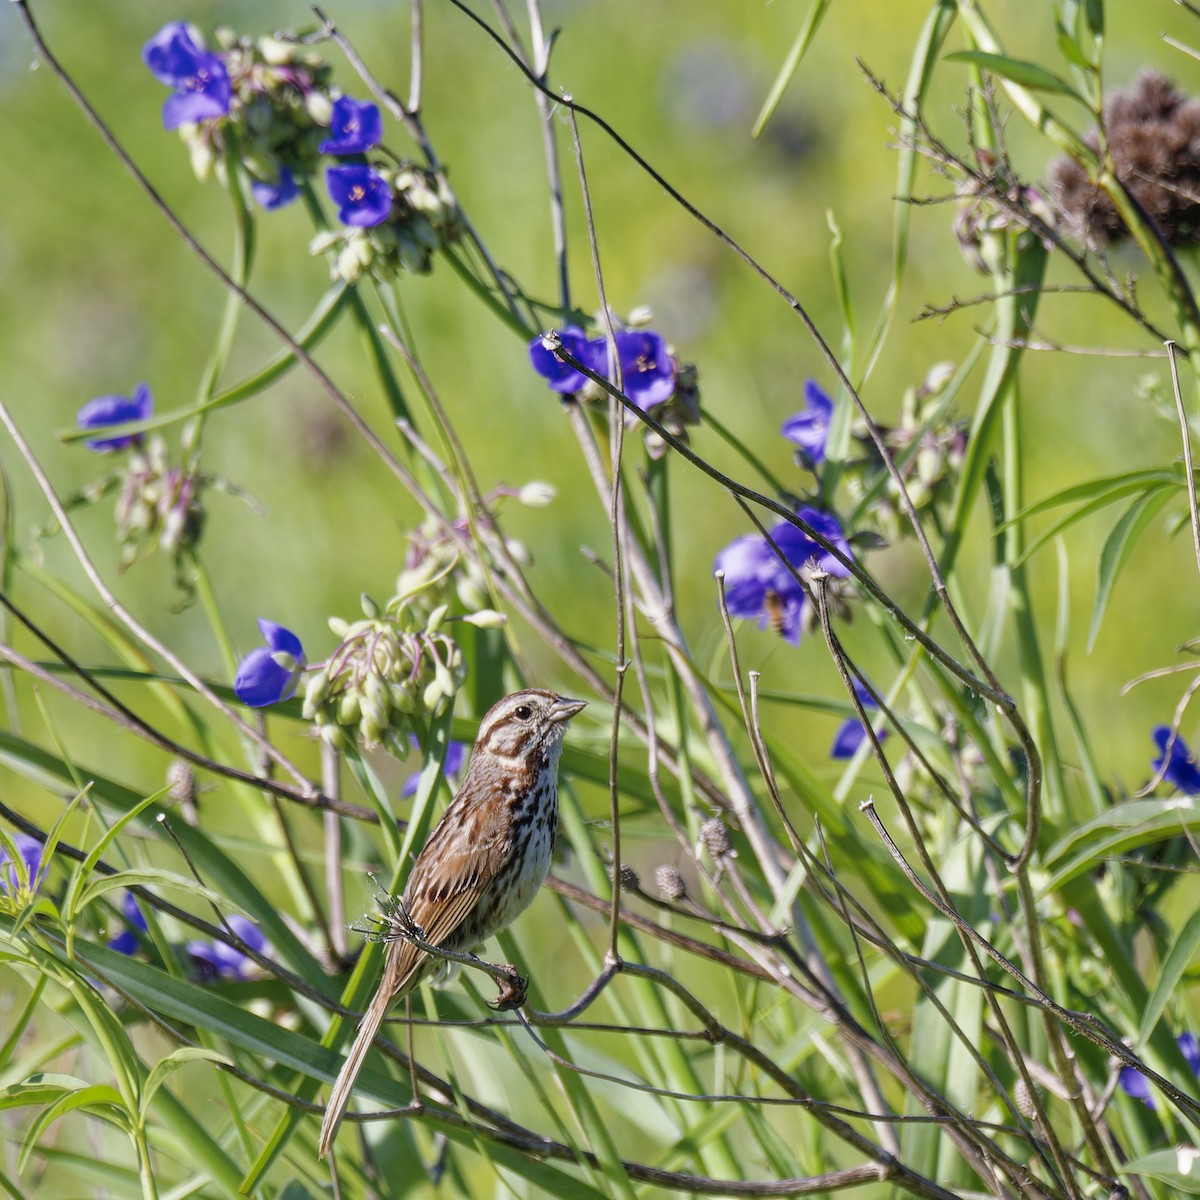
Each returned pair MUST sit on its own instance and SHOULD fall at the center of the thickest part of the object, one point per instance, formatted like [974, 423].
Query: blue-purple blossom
[216, 960]
[104, 411]
[456, 759]
[126, 941]
[363, 196]
[647, 369]
[1134, 1083]
[760, 587]
[31, 851]
[278, 194]
[272, 672]
[355, 127]
[200, 80]
[852, 734]
[561, 377]
[1181, 771]
[809, 428]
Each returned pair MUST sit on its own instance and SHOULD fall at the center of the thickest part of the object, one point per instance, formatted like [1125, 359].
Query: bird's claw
[512, 990]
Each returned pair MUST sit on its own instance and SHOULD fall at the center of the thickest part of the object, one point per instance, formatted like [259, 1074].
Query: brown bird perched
[483, 863]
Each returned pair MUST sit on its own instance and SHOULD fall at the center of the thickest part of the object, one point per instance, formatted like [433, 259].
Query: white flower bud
[486, 618]
[537, 494]
[320, 107]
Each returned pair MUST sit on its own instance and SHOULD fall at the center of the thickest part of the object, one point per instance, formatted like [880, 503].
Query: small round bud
[629, 879]
[1023, 1099]
[486, 618]
[537, 494]
[714, 833]
[182, 782]
[670, 883]
[320, 107]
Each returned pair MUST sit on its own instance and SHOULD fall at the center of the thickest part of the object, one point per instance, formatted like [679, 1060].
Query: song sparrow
[483, 862]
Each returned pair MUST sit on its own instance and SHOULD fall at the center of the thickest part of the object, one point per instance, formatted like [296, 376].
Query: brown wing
[461, 857]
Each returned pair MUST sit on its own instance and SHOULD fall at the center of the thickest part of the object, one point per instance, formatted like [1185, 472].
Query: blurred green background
[99, 294]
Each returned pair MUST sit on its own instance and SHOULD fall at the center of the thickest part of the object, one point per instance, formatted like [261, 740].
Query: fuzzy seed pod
[670, 883]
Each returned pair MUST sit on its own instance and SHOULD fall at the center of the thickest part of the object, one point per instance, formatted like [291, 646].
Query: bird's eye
[523, 712]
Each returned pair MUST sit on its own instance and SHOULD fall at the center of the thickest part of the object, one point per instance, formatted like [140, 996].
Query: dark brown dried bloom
[670, 883]
[629, 879]
[1154, 136]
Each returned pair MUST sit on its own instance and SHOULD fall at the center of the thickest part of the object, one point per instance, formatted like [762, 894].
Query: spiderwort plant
[270, 673]
[456, 759]
[126, 941]
[177, 57]
[851, 734]
[213, 960]
[1134, 1083]
[1180, 770]
[809, 428]
[106, 411]
[363, 197]
[355, 127]
[759, 586]
[19, 882]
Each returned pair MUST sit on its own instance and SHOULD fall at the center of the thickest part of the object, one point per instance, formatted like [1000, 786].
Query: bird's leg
[396, 924]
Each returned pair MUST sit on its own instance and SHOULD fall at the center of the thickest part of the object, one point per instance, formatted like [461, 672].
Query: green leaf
[98, 1099]
[1171, 972]
[791, 64]
[310, 334]
[166, 1067]
[1017, 70]
[206, 1009]
[43, 1088]
[1178, 1168]
[1118, 546]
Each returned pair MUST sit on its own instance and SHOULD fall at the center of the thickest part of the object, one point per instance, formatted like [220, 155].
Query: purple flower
[809, 428]
[760, 587]
[216, 960]
[561, 377]
[200, 80]
[30, 851]
[456, 758]
[647, 370]
[270, 673]
[1134, 1083]
[1181, 772]
[355, 127]
[852, 734]
[363, 196]
[104, 411]
[126, 941]
[275, 195]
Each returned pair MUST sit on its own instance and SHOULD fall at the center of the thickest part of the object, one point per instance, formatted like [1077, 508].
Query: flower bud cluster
[435, 567]
[158, 505]
[279, 108]
[423, 217]
[390, 666]
[928, 446]
[652, 377]
[990, 203]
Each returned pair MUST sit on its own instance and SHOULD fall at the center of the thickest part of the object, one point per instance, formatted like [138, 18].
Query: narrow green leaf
[1178, 1168]
[99, 1099]
[154, 877]
[1017, 70]
[39, 1089]
[1118, 546]
[812, 22]
[309, 336]
[1171, 972]
[166, 1067]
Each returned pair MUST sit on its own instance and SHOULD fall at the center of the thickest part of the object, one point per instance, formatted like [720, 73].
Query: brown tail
[398, 977]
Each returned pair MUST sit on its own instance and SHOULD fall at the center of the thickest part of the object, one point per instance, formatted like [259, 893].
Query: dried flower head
[670, 883]
[1153, 134]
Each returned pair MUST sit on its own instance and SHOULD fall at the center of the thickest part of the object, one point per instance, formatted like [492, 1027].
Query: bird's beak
[564, 709]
